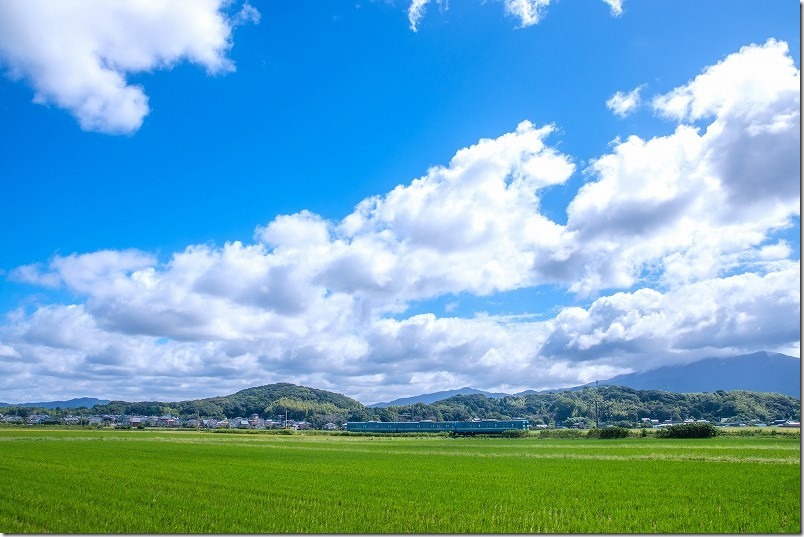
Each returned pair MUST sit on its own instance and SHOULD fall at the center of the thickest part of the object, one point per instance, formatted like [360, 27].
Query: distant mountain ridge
[757, 372]
[78, 402]
[429, 398]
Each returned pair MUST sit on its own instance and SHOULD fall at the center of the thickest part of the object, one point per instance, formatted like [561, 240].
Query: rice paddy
[86, 481]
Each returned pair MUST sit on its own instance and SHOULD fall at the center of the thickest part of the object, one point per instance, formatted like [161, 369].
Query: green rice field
[104, 481]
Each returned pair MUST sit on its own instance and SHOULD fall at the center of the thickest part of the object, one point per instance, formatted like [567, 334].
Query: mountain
[429, 398]
[616, 404]
[88, 402]
[271, 401]
[757, 372]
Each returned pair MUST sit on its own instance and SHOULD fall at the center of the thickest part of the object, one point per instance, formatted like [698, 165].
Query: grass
[76, 481]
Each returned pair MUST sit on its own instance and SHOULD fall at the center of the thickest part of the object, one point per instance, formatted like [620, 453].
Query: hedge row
[689, 430]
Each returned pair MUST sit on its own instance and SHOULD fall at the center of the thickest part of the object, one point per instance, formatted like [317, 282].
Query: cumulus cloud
[385, 357]
[622, 104]
[677, 250]
[713, 197]
[77, 55]
[472, 226]
[755, 98]
[710, 317]
[98, 273]
[742, 85]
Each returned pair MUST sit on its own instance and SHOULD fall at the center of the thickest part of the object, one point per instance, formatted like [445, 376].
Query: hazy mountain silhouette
[88, 402]
[757, 372]
[429, 398]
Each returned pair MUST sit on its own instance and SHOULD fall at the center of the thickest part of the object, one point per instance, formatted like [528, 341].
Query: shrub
[625, 424]
[609, 432]
[760, 431]
[689, 430]
[255, 431]
[515, 433]
[562, 433]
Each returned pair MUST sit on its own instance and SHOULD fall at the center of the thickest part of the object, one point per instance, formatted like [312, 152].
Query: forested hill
[269, 401]
[613, 404]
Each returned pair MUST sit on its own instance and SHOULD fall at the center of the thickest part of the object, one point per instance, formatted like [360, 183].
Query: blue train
[457, 427]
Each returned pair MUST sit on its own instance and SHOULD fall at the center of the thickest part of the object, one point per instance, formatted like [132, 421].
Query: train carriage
[457, 427]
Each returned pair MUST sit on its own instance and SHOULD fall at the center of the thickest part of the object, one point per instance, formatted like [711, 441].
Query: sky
[388, 198]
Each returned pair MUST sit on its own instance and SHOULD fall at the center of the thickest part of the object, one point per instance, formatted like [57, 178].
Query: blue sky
[123, 206]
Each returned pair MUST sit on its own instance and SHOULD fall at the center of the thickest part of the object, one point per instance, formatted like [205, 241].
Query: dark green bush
[609, 432]
[689, 430]
[515, 433]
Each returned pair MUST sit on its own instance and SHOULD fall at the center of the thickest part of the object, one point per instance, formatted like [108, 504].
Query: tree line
[606, 405]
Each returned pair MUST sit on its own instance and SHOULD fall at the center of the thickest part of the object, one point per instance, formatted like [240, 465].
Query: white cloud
[720, 316]
[101, 273]
[529, 12]
[692, 205]
[8, 352]
[742, 85]
[686, 243]
[780, 250]
[616, 7]
[77, 55]
[248, 14]
[383, 358]
[416, 12]
[622, 104]
[472, 226]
